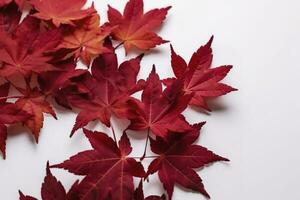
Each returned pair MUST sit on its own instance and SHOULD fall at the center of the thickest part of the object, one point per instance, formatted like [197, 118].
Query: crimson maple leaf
[34, 103]
[87, 38]
[139, 194]
[135, 28]
[109, 87]
[10, 114]
[107, 168]
[53, 81]
[23, 51]
[52, 189]
[61, 11]
[159, 111]
[199, 78]
[178, 156]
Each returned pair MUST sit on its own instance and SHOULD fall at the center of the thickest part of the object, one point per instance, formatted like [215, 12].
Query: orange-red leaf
[35, 104]
[61, 11]
[87, 39]
[136, 28]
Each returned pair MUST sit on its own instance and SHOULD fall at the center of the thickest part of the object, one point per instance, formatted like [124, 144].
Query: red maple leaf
[134, 28]
[159, 111]
[178, 156]
[199, 78]
[86, 40]
[108, 87]
[139, 194]
[10, 114]
[61, 11]
[34, 103]
[52, 189]
[107, 168]
[53, 81]
[23, 51]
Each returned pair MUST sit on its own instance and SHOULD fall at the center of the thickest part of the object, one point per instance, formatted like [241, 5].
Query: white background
[257, 128]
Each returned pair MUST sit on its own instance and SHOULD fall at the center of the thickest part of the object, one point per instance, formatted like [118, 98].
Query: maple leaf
[178, 156]
[109, 87]
[23, 52]
[139, 194]
[53, 81]
[9, 18]
[199, 78]
[9, 114]
[107, 168]
[135, 29]
[87, 39]
[35, 104]
[61, 11]
[159, 111]
[52, 189]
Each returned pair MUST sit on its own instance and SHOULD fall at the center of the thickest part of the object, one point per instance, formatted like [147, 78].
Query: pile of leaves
[39, 56]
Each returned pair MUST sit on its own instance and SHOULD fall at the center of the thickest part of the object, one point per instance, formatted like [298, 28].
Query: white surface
[256, 127]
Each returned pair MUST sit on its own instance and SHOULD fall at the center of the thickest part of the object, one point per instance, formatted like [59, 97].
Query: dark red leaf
[159, 111]
[107, 168]
[178, 156]
[109, 87]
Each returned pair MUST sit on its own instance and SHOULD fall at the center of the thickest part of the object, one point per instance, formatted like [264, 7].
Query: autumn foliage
[39, 58]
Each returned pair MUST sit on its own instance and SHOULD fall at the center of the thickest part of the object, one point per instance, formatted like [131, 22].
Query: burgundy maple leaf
[52, 189]
[108, 169]
[178, 157]
[159, 111]
[108, 87]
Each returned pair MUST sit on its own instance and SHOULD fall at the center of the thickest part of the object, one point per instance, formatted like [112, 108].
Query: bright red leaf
[159, 111]
[178, 156]
[135, 28]
[61, 11]
[23, 52]
[107, 168]
[199, 78]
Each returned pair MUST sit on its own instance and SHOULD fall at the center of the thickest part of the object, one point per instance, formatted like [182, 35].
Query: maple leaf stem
[114, 133]
[119, 45]
[146, 145]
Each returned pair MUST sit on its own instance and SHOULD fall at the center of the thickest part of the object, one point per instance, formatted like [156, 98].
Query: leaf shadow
[215, 105]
